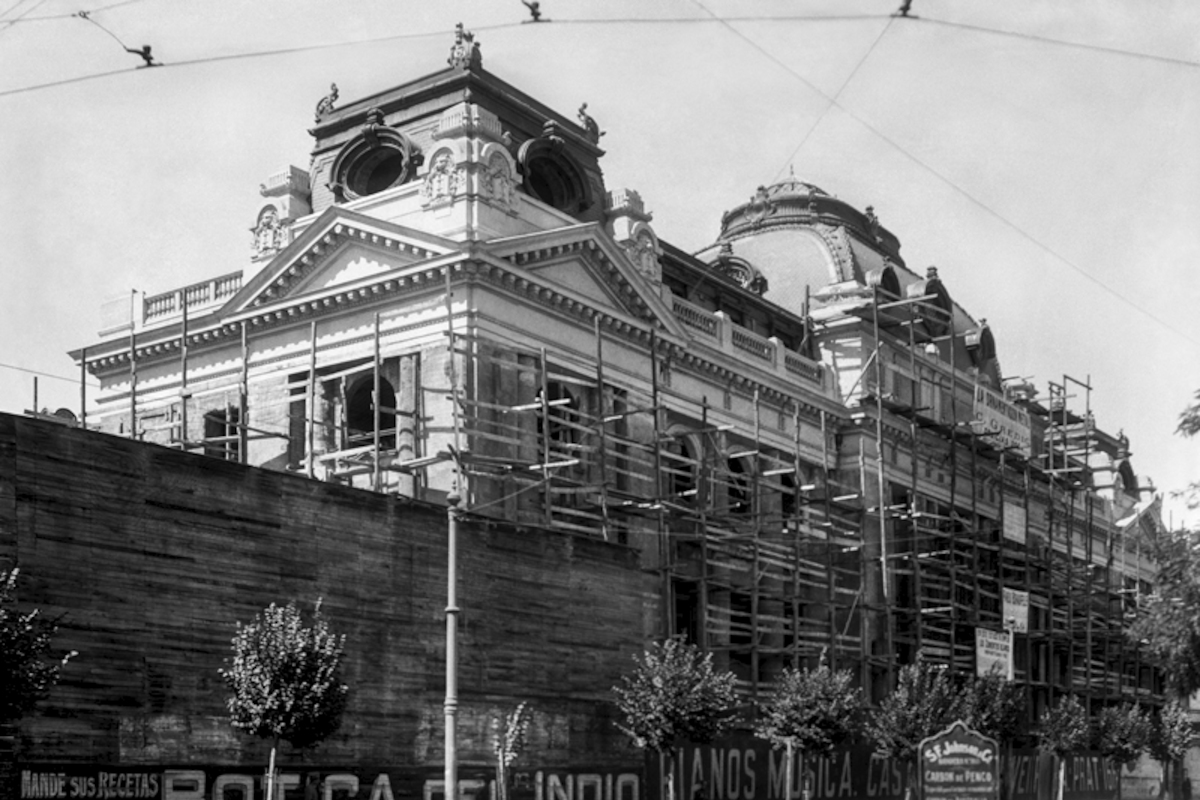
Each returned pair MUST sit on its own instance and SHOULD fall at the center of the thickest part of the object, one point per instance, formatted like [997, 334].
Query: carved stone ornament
[760, 206]
[371, 128]
[269, 233]
[643, 252]
[589, 125]
[498, 183]
[325, 104]
[442, 182]
[872, 223]
[740, 270]
[464, 53]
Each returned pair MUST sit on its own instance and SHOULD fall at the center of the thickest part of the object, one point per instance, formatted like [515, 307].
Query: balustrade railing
[169, 304]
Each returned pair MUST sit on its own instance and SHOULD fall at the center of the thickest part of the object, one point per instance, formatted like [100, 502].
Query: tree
[812, 711]
[28, 667]
[1122, 734]
[285, 680]
[508, 740]
[674, 695]
[1165, 625]
[994, 706]
[1062, 730]
[1170, 737]
[924, 703]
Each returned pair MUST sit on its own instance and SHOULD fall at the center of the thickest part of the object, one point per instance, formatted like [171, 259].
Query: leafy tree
[993, 706]
[28, 667]
[1122, 734]
[1062, 730]
[508, 740]
[285, 680]
[674, 695]
[924, 703]
[1189, 426]
[1165, 624]
[1170, 737]
[813, 711]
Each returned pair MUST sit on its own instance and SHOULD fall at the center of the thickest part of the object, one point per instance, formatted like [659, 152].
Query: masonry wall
[150, 555]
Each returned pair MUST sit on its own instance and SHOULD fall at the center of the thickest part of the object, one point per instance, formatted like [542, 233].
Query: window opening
[360, 414]
[221, 438]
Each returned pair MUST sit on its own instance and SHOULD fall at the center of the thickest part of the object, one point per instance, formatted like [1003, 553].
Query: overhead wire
[39, 373]
[68, 15]
[1061, 42]
[252, 54]
[960, 190]
[812, 128]
[17, 19]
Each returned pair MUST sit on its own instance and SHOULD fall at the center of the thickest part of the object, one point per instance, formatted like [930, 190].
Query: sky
[1044, 156]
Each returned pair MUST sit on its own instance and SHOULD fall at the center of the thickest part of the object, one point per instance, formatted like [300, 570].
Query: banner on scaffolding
[1014, 522]
[993, 652]
[1016, 610]
[1002, 422]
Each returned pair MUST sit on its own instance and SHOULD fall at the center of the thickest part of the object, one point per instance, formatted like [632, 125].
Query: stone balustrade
[740, 342]
[160, 307]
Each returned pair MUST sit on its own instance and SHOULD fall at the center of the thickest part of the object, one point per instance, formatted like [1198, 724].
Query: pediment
[339, 247]
[585, 263]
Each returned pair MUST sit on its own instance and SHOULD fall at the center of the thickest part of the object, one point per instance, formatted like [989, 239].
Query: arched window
[679, 470]
[738, 492]
[360, 413]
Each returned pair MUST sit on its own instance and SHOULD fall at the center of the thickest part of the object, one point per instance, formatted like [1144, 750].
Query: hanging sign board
[1016, 611]
[1014, 522]
[993, 652]
[959, 764]
[1002, 422]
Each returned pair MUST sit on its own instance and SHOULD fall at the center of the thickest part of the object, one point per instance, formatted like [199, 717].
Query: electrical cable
[40, 373]
[976, 201]
[838, 94]
[47, 17]
[86, 16]
[1062, 43]
[17, 19]
[253, 54]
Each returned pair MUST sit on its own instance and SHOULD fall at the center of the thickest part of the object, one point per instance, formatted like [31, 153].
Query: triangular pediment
[340, 247]
[586, 263]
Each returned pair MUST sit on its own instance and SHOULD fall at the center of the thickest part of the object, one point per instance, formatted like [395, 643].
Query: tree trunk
[787, 772]
[670, 774]
[1060, 789]
[270, 794]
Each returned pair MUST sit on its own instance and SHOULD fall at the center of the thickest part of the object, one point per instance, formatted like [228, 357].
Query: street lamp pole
[451, 705]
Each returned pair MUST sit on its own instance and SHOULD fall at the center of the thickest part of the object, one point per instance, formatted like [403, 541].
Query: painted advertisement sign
[1014, 522]
[1016, 610]
[741, 767]
[993, 652]
[959, 764]
[70, 781]
[1005, 424]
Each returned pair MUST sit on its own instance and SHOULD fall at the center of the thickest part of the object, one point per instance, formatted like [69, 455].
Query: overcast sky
[1051, 172]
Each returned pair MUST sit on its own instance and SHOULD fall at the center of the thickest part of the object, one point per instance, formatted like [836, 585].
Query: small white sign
[993, 652]
[1000, 420]
[1014, 522]
[1016, 611]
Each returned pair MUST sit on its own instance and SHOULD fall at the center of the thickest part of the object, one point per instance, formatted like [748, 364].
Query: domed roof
[793, 203]
[791, 186]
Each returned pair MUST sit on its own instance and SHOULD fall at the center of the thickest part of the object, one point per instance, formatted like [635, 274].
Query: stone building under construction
[806, 444]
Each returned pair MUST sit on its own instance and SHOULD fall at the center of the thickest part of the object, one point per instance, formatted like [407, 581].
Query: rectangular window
[221, 433]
